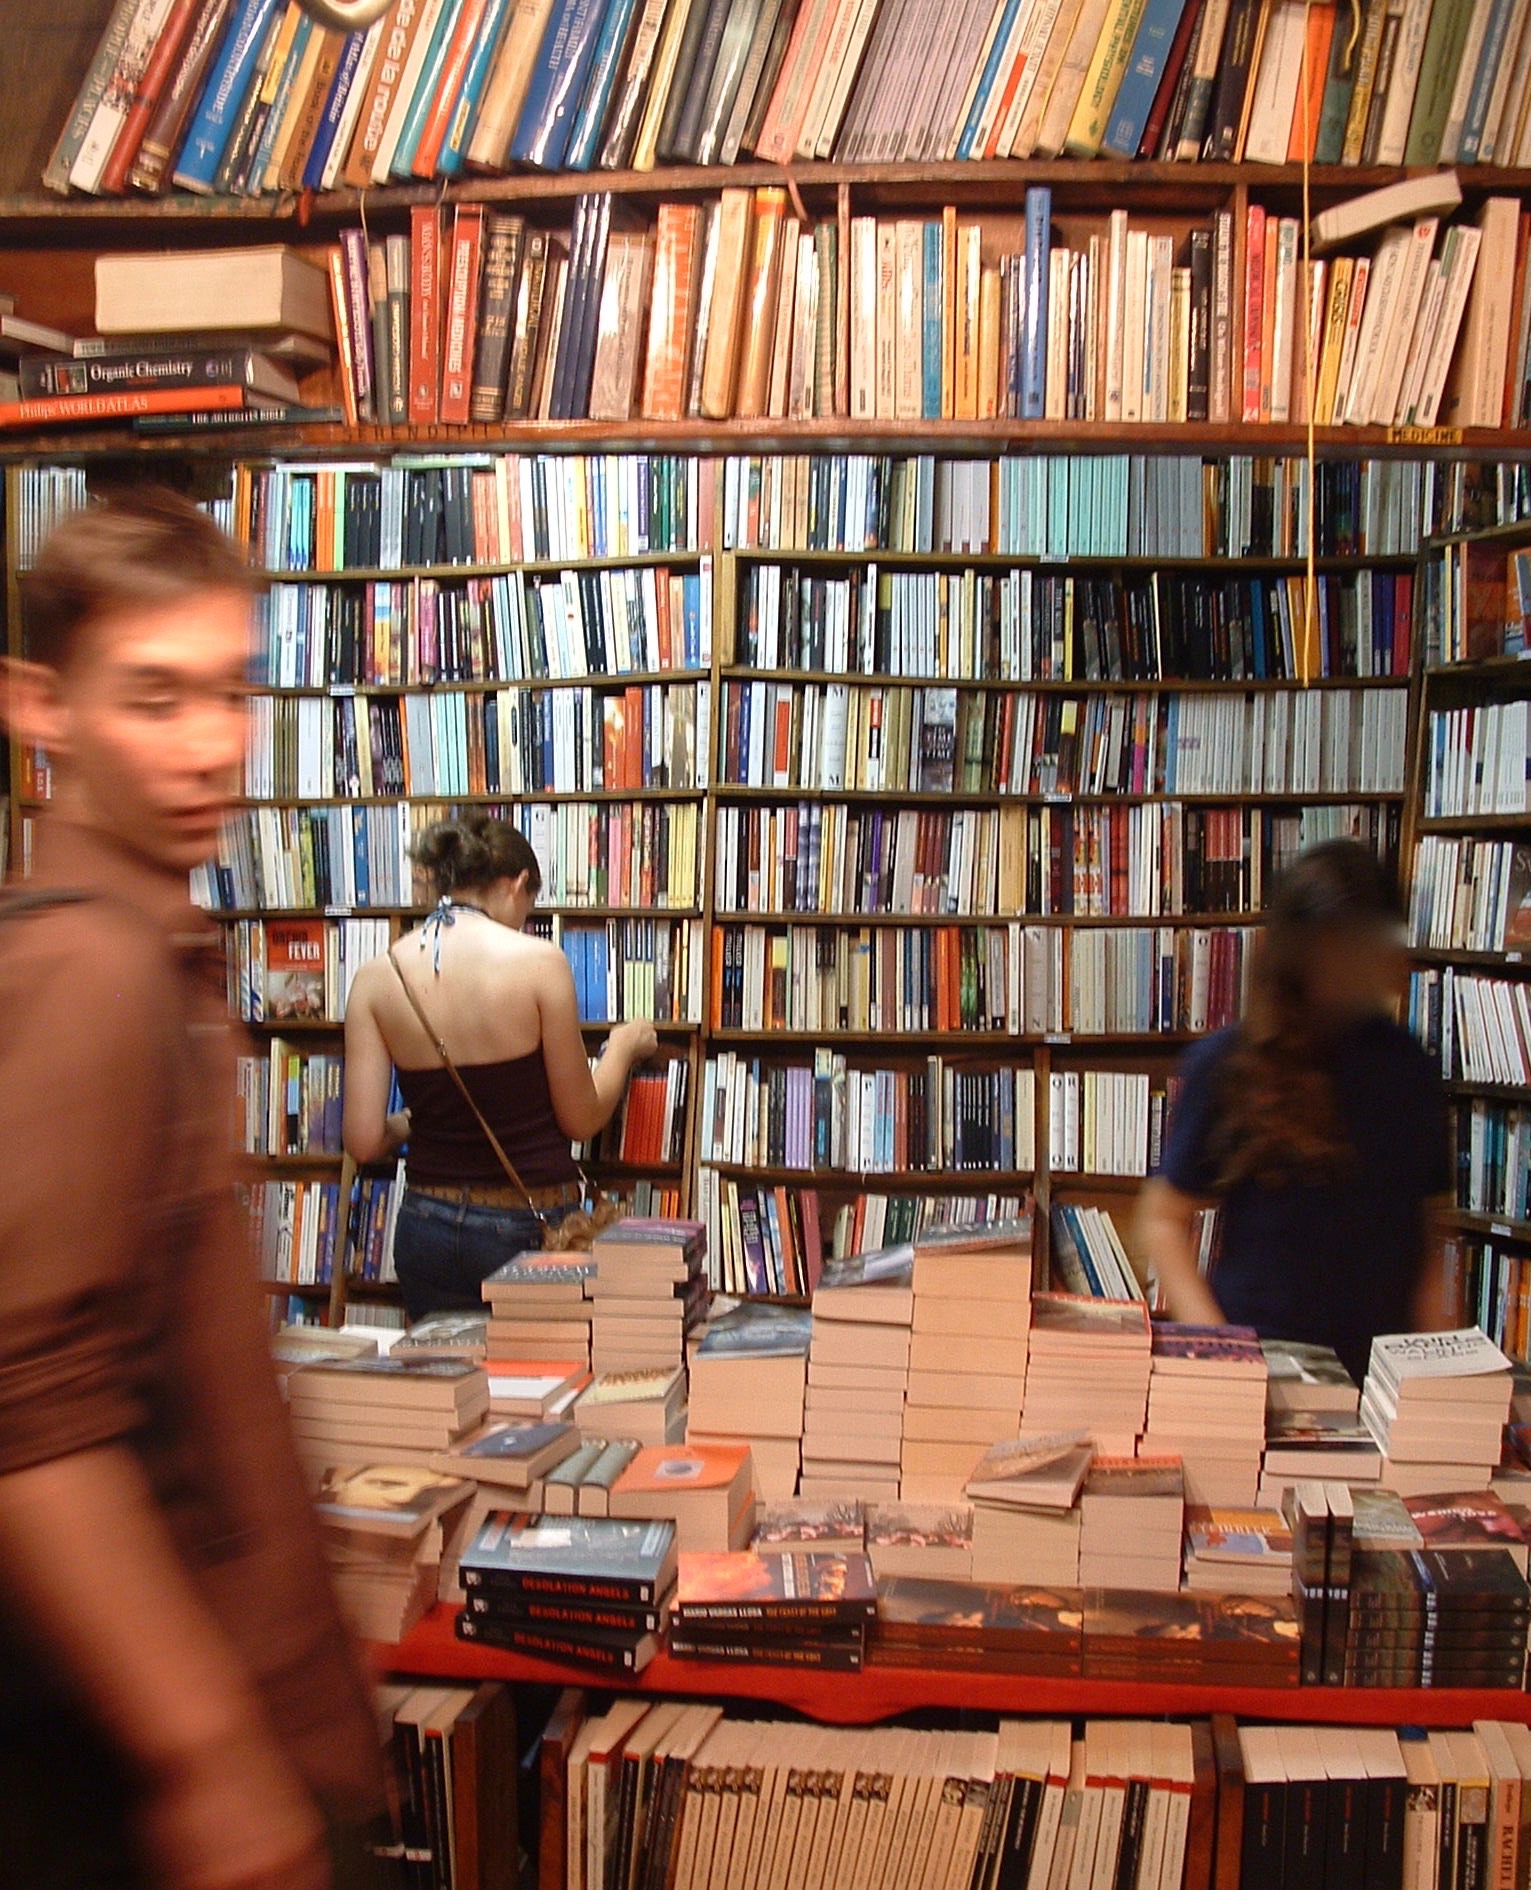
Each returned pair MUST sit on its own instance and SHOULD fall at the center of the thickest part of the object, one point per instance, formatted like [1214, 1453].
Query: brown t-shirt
[129, 1309]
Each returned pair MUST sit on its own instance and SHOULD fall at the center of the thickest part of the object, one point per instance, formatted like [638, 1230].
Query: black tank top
[447, 1147]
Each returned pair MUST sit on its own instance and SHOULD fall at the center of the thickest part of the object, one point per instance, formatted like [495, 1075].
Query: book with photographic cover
[745, 1589]
[509, 1453]
[823, 1525]
[589, 1557]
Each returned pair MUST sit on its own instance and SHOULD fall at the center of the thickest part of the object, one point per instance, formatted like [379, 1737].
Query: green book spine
[1437, 79]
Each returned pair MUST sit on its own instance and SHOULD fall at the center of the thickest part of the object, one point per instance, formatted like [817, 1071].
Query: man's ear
[31, 706]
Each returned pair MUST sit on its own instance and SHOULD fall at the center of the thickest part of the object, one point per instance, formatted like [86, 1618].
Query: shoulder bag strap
[451, 1068]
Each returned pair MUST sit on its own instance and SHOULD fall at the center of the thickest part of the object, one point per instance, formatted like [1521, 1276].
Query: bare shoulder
[540, 958]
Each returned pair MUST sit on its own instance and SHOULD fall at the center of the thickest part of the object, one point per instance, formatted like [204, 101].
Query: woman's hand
[636, 1041]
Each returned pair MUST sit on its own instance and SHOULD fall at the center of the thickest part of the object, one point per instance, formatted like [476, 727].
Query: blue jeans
[443, 1251]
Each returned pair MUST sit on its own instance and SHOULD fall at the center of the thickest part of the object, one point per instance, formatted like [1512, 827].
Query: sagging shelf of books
[256, 99]
[733, 310]
[932, 1462]
[728, 1794]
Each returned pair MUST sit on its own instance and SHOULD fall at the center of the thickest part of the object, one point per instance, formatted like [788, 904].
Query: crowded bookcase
[942, 601]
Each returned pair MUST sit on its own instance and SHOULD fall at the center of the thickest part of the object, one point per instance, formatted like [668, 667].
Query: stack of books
[1327, 1531]
[920, 1539]
[595, 1591]
[1025, 1510]
[349, 1412]
[383, 1532]
[1437, 1618]
[1302, 1377]
[1322, 1446]
[833, 1525]
[1237, 1551]
[1089, 1369]
[1475, 1519]
[1437, 1404]
[967, 1353]
[858, 1371]
[1206, 1404]
[749, 1376]
[986, 1627]
[788, 1610]
[649, 1288]
[706, 1492]
[539, 1307]
[1131, 1516]
[295, 1345]
[648, 1406]
[1234, 1640]
[534, 1388]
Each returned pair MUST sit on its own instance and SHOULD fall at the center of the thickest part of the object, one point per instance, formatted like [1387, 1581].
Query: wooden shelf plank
[432, 1650]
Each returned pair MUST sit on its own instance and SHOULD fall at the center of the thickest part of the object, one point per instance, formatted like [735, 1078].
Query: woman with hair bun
[1317, 1125]
[469, 981]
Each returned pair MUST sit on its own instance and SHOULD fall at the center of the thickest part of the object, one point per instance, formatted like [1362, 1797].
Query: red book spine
[444, 106]
[151, 87]
[424, 315]
[462, 314]
[1254, 311]
[119, 406]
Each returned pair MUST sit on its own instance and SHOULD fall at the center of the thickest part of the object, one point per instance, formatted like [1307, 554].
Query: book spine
[424, 315]
[1140, 81]
[222, 94]
[1034, 337]
[396, 252]
[610, 45]
[353, 244]
[122, 405]
[1232, 82]
[462, 312]
[155, 78]
[557, 81]
[482, 57]
[45, 377]
[497, 302]
[334, 109]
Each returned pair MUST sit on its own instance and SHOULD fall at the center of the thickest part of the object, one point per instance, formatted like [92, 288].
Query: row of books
[1480, 598]
[298, 970]
[636, 968]
[1478, 1028]
[831, 1115]
[289, 1101]
[509, 508]
[1106, 1122]
[1029, 626]
[357, 855]
[1478, 760]
[262, 101]
[1052, 506]
[1491, 1283]
[474, 508]
[852, 737]
[413, 631]
[559, 741]
[1470, 895]
[1493, 1145]
[296, 1229]
[649, 1130]
[447, 1751]
[1121, 862]
[1015, 979]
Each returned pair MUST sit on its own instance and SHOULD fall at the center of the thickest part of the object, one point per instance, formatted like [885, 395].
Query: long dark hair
[1278, 1117]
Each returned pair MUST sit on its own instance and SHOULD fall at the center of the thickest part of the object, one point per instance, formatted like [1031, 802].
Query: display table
[433, 1651]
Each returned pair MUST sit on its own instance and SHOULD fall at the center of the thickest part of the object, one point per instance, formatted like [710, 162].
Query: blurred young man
[179, 1704]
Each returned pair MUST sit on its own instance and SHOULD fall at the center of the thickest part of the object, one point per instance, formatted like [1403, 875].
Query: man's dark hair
[145, 546]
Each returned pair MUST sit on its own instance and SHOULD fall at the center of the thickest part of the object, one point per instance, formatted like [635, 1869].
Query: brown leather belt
[561, 1194]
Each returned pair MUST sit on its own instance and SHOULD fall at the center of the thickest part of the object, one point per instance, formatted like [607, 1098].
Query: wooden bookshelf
[877, 1693]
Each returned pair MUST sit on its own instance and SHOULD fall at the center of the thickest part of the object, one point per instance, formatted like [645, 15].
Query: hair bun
[454, 852]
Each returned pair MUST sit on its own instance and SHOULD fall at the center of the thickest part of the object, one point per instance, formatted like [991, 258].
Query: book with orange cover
[387, 71]
[462, 313]
[1321, 25]
[760, 300]
[677, 254]
[424, 314]
[720, 371]
[438, 120]
[119, 406]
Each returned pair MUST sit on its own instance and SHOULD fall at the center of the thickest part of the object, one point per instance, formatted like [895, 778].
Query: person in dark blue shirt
[1317, 1125]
